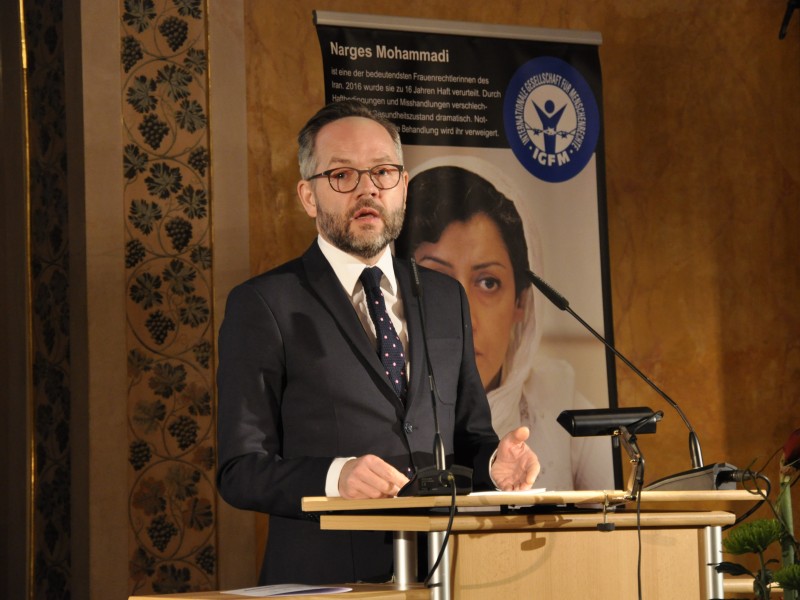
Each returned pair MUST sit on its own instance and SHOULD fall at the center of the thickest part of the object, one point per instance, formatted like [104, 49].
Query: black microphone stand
[787, 16]
[435, 480]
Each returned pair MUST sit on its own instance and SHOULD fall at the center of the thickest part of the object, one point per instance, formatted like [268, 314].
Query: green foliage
[788, 577]
[755, 536]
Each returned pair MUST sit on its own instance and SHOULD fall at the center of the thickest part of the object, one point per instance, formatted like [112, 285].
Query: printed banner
[502, 136]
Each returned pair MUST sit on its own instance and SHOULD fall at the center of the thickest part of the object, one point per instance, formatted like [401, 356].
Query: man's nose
[366, 185]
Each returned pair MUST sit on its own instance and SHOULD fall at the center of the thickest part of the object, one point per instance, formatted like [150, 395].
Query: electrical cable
[449, 528]
[754, 477]
[639, 539]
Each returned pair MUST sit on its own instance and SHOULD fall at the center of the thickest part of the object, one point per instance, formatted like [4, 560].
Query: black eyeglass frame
[360, 172]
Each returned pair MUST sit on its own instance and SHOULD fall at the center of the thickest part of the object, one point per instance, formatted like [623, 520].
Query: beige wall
[703, 182]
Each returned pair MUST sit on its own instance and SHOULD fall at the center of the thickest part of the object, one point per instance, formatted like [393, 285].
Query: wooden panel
[552, 522]
[569, 564]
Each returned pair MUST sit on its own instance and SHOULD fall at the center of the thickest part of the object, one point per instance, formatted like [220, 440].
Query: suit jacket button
[408, 427]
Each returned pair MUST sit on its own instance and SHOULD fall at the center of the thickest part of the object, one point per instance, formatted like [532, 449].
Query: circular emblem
[551, 119]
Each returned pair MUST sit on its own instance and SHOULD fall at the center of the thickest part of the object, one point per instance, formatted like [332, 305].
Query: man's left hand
[515, 466]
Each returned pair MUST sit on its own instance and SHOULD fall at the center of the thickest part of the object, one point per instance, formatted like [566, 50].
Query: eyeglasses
[346, 179]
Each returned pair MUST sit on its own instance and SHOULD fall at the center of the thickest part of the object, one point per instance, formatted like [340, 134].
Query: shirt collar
[348, 268]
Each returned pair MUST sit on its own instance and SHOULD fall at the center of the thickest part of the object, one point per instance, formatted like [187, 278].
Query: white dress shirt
[348, 269]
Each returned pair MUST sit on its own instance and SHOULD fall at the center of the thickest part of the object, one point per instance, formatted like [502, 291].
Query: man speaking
[323, 379]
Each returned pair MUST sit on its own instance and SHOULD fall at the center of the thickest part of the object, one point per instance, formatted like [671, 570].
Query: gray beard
[336, 228]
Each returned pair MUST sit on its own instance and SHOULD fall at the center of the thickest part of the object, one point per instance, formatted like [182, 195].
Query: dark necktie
[390, 349]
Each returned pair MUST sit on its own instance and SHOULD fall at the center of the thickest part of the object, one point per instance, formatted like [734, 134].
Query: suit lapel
[417, 383]
[328, 289]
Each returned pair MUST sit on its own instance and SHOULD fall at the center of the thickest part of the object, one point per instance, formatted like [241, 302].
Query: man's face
[364, 221]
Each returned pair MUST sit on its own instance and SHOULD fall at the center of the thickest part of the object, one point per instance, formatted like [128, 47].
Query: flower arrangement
[755, 537]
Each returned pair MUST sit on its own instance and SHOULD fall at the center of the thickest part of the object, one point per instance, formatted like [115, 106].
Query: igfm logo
[551, 119]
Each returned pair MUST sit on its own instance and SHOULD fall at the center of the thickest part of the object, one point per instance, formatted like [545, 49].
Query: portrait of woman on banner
[457, 222]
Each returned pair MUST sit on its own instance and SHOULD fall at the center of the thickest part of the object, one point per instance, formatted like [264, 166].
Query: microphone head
[560, 302]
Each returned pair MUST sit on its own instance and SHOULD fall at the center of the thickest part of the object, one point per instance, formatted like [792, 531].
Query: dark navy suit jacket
[300, 383]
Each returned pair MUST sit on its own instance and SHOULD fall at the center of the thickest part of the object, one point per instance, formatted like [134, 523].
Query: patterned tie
[390, 349]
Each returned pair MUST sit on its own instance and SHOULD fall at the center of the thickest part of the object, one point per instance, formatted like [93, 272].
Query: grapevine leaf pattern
[167, 379]
[150, 496]
[195, 311]
[197, 400]
[196, 60]
[141, 565]
[134, 161]
[176, 80]
[139, 13]
[168, 254]
[171, 579]
[180, 277]
[189, 8]
[198, 514]
[143, 215]
[140, 95]
[148, 415]
[138, 363]
[194, 202]
[181, 481]
[190, 117]
[163, 180]
[204, 457]
[201, 256]
[145, 290]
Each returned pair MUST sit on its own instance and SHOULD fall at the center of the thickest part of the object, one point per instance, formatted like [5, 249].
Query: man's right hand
[370, 477]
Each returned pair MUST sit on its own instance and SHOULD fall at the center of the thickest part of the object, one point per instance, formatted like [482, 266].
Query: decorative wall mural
[168, 267]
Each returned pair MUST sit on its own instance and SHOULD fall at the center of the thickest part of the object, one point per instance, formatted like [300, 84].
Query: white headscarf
[526, 336]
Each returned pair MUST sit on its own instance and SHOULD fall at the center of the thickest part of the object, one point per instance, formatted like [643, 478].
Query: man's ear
[405, 187]
[305, 192]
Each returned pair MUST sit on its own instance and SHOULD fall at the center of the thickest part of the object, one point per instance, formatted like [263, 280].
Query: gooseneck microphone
[562, 304]
[716, 476]
[438, 480]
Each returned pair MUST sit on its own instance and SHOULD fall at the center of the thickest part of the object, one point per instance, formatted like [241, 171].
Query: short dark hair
[442, 195]
[307, 138]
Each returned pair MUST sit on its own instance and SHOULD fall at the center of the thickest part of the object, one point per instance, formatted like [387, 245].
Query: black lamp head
[607, 421]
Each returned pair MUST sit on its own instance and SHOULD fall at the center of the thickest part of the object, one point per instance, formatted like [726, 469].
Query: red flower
[791, 452]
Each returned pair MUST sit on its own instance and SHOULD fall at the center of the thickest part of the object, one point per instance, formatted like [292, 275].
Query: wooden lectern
[552, 548]
[542, 545]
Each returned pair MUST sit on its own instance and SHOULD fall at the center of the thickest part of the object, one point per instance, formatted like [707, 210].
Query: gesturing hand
[515, 466]
[370, 477]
